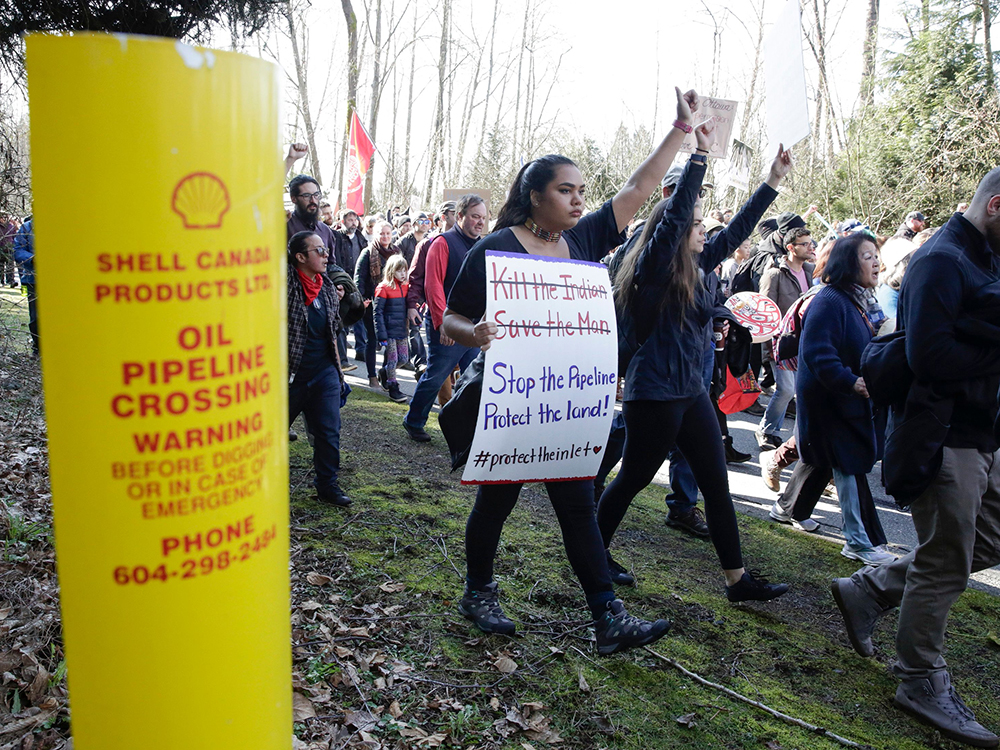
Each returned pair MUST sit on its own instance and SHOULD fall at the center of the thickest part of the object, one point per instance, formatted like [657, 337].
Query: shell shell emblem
[200, 199]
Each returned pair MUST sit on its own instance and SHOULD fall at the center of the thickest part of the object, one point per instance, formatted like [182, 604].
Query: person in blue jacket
[24, 256]
[391, 327]
[666, 402]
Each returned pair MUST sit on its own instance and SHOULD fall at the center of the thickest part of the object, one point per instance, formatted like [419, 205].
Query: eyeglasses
[321, 252]
[309, 196]
[805, 244]
[423, 221]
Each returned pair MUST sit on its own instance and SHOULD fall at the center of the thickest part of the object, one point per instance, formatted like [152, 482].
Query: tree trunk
[868, 54]
[489, 76]
[407, 180]
[987, 43]
[300, 76]
[437, 142]
[925, 15]
[376, 96]
[520, 62]
[352, 88]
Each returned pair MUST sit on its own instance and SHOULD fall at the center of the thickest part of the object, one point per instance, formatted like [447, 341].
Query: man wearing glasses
[783, 285]
[306, 197]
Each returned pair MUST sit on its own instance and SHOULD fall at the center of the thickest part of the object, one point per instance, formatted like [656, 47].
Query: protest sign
[737, 172]
[164, 360]
[723, 111]
[551, 373]
[785, 81]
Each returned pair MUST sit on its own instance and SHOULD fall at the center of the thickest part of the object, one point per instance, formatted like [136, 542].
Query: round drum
[757, 313]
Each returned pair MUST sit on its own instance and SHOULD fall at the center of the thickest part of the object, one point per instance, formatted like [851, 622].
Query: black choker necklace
[539, 232]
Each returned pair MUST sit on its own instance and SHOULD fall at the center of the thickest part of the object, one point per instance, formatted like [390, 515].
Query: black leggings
[652, 428]
[372, 348]
[573, 503]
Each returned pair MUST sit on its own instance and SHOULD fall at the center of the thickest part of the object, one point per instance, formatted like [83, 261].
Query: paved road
[753, 497]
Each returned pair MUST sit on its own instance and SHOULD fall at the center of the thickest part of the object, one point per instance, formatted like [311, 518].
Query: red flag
[359, 158]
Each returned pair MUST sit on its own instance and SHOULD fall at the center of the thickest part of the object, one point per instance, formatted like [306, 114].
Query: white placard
[723, 111]
[551, 374]
[737, 172]
[785, 81]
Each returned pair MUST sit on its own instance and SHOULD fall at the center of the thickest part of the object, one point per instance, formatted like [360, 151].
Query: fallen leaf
[310, 606]
[495, 704]
[505, 664]
[435, 740]
[556, 651]
[687, 720]
[302, 708]
[361, 720]
[318, 579]
[342, 651]
[993, 638]
[527, 746]
[395, 710]
[390, 587]
[584, 687]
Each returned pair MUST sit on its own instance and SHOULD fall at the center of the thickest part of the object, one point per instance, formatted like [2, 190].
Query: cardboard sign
[551, 374]
[163, 350]
[785, 81]
[723, 111]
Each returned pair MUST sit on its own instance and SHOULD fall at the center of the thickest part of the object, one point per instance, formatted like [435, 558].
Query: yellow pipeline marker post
[160, 257]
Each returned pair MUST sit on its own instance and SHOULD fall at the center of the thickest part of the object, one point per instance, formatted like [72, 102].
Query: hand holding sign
[687, 104]
[705, 135]
[781, 165]
[485, 331]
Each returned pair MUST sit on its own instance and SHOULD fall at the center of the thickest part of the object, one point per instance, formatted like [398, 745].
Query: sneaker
[807, 525]
[756, 409]
[617, 630]
[874, 556]
[777, 513]
[416, 433]
[349, 368]
[860, 613]
[693, 522]
[619, 575]
[419, 371]
[753, 587]
[770, 472]
[397, 395]
[334, 496]
[483, 608]
[935, 702]
[766, 441]
[734, 456]
[830, 490]
[383, 378]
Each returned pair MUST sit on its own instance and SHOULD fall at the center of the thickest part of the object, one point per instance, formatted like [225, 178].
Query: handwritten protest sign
[785, 81]
[551, 374]
[723, 111]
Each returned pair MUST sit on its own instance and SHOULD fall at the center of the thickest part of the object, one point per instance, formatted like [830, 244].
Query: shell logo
[200, 199]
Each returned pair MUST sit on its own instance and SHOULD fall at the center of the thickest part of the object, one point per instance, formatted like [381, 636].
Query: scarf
[310, 287]
[868, 304]
[377, 256]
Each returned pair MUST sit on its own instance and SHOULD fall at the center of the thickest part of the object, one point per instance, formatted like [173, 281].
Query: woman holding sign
[665, 402]
[543, 215]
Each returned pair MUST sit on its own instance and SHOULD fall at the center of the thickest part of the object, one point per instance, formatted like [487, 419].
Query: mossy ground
[407, 527]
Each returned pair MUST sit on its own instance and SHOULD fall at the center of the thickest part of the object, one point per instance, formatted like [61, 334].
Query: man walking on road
[957, 517]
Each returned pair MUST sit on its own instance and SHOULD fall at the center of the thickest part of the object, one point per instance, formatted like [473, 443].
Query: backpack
[786, 339]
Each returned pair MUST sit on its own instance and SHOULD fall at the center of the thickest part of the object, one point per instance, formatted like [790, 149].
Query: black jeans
[573, 503]
[652, 428]
[319, 399]
[371, 347]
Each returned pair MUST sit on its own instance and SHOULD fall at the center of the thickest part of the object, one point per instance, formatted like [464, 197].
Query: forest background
[458, 94]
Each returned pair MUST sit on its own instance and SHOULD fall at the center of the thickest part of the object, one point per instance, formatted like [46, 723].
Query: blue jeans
[441, 360]
[684, 494]
[360, 339]
[319, 398]
[784, 390]
[850, 509]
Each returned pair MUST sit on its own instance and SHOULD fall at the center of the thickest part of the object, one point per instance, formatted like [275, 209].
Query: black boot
[733, 456]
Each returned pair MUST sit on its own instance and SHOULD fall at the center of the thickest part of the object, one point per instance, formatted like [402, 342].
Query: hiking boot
[383, 378]
[753, 587]
[734, 456]
[693, 522]
[770, 472]
[860, 613]
[482, 606]
[397, 395]
[873, 556]
[935, 702]
[349, 368]
[767, 441]
[619, 575]
[756, 409]
[334, 496]
[416, 433]
[617, 630]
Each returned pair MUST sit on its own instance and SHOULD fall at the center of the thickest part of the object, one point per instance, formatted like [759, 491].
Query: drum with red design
[757, 313]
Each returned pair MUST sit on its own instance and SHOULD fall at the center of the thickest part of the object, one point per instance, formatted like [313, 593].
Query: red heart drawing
[597, 448]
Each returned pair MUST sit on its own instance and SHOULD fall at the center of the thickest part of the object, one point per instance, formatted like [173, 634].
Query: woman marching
[665, 400]
[542, 216]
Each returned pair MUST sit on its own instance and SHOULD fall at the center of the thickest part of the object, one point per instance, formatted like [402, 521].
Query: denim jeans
[784, 390]
[360, 339]
[684, 490]
[441, 360]
[319, 398]
[850, 509]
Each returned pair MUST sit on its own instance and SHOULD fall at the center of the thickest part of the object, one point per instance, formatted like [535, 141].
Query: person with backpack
[665, 400]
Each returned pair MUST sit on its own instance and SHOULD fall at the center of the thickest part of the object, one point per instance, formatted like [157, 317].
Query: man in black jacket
[957, 517]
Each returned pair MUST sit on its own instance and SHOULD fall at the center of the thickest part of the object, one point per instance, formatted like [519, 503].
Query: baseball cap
[848, 225]
[915, 215]
[711, 225]
[446, 206]
[672, 177]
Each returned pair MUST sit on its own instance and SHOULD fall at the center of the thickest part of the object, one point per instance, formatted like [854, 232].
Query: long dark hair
[682, 280]
[843, 268]
[534, 175]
